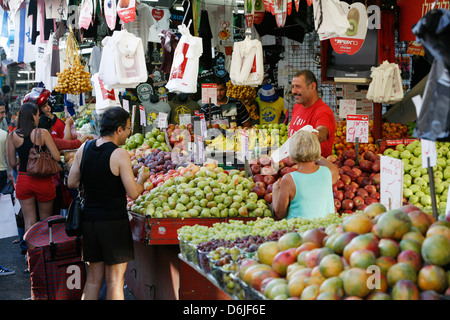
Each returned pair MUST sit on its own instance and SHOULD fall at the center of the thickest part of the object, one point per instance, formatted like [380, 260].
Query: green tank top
[313, 194]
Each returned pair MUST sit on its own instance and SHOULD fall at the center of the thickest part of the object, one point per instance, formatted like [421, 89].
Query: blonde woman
[306, 192]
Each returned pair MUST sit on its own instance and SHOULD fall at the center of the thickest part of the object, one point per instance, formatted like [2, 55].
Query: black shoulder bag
[74, 219]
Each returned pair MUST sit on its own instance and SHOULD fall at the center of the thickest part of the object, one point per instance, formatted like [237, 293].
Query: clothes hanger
[187, 10]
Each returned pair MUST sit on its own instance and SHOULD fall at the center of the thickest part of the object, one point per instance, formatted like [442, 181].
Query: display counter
[154, 274]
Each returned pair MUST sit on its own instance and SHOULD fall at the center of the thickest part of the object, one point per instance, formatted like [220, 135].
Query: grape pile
[158, 161]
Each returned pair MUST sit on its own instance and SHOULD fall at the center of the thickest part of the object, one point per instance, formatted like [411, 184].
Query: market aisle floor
[17, 286]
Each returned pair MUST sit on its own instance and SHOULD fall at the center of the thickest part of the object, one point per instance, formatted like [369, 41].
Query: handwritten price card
[428, 151]
[209, 90]
[358, 126]
[391, 186]
[346, 107]
[244, 144]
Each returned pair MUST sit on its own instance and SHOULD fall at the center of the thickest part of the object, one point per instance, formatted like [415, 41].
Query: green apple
[438, 174]
[395, 154]
[413, 199]
[407, 192]
[420, 193]
[420, 182]
[407, 167]
[439, 188]
[410, 147]
[426, 177]
[441, 162]
[405, 154]
[444, 195]
[417, 151]
[388, 152]
[415, 173]
[446, 173]
[425, 200]
[445, 184]
[400, 147]
[417, 162]
[423, 170]
[442, 205]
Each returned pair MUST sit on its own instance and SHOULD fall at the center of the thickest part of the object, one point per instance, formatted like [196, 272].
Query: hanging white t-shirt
[221, 22]
[160, 22]
[43, 57]
[184, 71]
[141, 24]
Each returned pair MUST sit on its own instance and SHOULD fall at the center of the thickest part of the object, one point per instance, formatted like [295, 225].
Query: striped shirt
[233, 110]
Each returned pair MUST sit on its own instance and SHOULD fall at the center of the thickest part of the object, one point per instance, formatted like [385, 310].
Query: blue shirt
[313, 194]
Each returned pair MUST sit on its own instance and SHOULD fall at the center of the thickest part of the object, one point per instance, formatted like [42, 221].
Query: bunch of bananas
[246, 95]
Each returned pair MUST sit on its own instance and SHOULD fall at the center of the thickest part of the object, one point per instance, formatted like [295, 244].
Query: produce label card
[358, 126]
[209, 90]
[142, 116]
[346, 106]
[162, 120]
[428, 152]
[391, 185]
[185, 119]
[244, 144]
[126, 105]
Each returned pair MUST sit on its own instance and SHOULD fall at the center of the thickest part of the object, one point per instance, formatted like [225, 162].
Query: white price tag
[391, 187]
[185, 119]
[346, 107]
[142, 117]
[203, 125]
[209, 90]
[357, 126]
[162, 120]
[200, 150]
[244, 144]
[126, 105]
[428, 151]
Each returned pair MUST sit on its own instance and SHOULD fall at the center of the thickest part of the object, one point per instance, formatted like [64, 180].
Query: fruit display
[247, 95]
[156, 160]
[74, 79]
[204, 192]
[261, 136]
[179, 135]
[155, 139]
[416, 188]
[340, 140]
[265, 173]
[401, 254]
[358, 185]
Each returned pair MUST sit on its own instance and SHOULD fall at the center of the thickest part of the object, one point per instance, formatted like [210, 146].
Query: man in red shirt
[310, 109]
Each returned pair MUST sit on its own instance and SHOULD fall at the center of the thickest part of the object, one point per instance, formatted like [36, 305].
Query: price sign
[142, 119]
[346, 107]
[162, 120]
[185, 119]
[209, 90]
[126, 105]
[428, 152]
[200, 150]
[203, 125]
[244, 144]
[358, 126]
[391, 182]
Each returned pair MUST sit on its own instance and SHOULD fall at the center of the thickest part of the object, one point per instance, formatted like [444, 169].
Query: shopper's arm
[73, 182]
[121, 159]
[334, 170]
[281, 196]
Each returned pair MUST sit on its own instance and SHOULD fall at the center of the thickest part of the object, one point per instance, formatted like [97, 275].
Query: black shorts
[110, 242]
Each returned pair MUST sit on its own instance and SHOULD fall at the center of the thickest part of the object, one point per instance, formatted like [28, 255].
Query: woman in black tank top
[28, 188]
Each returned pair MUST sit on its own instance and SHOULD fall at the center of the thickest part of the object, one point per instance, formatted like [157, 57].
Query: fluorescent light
[179, 8]
[26, 81]
[25, 71]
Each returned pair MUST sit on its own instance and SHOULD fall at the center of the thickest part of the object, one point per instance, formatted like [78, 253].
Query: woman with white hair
[308, 191]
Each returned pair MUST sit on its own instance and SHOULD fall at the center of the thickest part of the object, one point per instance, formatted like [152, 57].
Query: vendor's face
[301, 91]
[46, 109]
[221, 93]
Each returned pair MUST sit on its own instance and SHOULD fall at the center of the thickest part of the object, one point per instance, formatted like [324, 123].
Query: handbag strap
[35, 137]
[81, 163]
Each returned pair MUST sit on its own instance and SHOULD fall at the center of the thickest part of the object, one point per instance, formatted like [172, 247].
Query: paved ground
[17, 286]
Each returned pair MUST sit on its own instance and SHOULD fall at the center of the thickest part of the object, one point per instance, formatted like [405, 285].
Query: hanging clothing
[141, 24]
[169, 42]
[247, 63]
[159, 22]
[205, 33]
[23, 49]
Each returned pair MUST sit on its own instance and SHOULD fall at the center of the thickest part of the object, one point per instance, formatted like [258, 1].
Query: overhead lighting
[26, 71]
[26, 81]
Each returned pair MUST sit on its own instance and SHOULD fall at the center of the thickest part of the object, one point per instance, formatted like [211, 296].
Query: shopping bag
[8, 226]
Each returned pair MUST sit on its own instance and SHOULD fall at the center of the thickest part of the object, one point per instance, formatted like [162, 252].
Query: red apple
[368, 155]
[338, 195]
[268, 180]
[268, 197]
[350, 163]
[268, 170]
[370, 200]
[366, 165]
[370, 188]
[258, 177]
[348, 204]
[260, 191]
[376, 179]
[339, 184]
[264, 161]
[361, 207]
[337, 204]
[357, 171]
[345, 168]
[362, 193]
[255, 168]
[350, 187]
[375, 195]
[287, 170]
[345, 179]
[260, 184]
[349, 154]
[288, 162]
[376, 166]
[349, 195]
[269, 188]
[358, 200]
